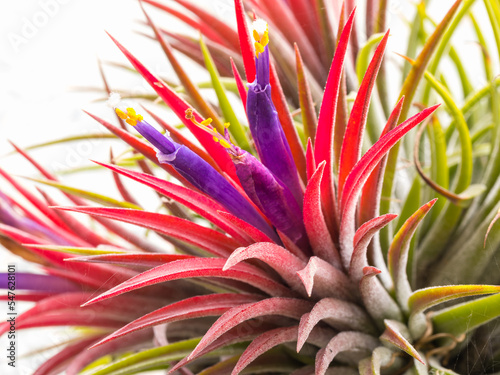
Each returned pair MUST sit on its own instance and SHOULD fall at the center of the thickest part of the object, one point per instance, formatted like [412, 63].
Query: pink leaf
[194, 307]
[198, 267]
[288, 307]
[338, 314]
[251, 233]
[377, 301]
[344, 341]
[362, 238]
[393, 334]
[281, 260]
[321, 279]
[314, 221]
[263, 343]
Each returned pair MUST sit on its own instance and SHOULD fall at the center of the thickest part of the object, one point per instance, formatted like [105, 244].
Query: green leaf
[423, 299]
[98, 198]
[364, 55]
[467, 316]
[236, 129]
[397, 258]
[146, 359]
[78, 250]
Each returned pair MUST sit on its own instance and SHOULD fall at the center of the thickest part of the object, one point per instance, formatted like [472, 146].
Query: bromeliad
[286, 258]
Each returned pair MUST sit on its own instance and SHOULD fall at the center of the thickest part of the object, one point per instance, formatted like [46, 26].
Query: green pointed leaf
[78, 250]
[467, 316]
[94, 197]
[236, 129]
[396, 334]
[423, 299]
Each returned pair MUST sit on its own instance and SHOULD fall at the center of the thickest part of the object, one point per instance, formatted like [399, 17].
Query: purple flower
[272, 197]
[198, 172]
[270, 140]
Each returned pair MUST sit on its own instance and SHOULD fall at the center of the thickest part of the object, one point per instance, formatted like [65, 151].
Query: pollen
[130, 116]
[207, 122]
[260, 35]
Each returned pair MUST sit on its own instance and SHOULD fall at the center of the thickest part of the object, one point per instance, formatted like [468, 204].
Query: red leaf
[362, 238]
[281, 260]
[252, 234]
[353, 137]
[195, 307]
[205, 238]
[323, 143]
[360, 173]
[198, 202]
[310, 162]
[239, 84]
[246, 45]
[198, 267]
[179, 106]
[315, 223]
[288, 307]
[198, 24]
[370, 196]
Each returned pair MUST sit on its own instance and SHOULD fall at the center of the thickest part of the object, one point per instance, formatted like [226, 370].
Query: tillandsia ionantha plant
[297, 247]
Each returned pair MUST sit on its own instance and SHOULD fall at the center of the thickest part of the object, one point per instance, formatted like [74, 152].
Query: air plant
[287, 256]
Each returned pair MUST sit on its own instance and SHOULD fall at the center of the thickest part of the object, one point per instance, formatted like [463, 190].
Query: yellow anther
[256, 35]
[261, 35]
[130, 117]
[215, 139]
[225, 143]
[207, 122]
[259, 48]
[265, 38]
[121, 114]
[226, 124]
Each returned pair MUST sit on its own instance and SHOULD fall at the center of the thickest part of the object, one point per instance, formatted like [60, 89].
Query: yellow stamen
[256, 35]
[205, 125]
[130, 116]
[261, 37]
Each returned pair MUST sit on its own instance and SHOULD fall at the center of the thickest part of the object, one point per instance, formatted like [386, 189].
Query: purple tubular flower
[270, 140]
[40, 283]
[199, 173]
[271, 196]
